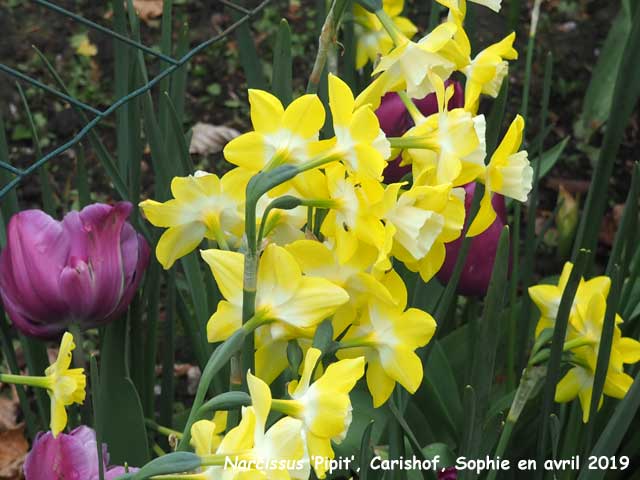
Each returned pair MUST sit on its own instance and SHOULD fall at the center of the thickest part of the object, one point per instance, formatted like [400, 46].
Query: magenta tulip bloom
[448, 474]
[84, 269]
[395, 121]
[72, 456]
[476, 273]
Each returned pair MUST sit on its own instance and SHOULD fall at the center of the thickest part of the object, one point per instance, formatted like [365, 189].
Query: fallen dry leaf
[207, 139]
[148, 9]
[13, 450]
[8, 413]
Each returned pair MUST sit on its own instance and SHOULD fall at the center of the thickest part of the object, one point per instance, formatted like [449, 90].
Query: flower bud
[73, 455]
[395, 121]
[84, 269]
[566, 222]
[476, 273]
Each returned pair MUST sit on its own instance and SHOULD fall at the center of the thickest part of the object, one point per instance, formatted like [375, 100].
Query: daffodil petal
[178, 241]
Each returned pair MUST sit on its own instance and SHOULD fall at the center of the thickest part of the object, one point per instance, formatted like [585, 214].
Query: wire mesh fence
[243, 15]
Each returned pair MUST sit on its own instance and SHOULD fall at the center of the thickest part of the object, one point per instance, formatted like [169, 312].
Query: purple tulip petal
[102, 279]
[70, 456]
[393, 116]
[476, 272]
[84, 269]
[114, 472]
[36, 251]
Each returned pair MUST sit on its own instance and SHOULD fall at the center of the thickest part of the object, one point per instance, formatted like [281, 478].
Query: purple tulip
[448, 474]
[395, 121]
[476, 273]
[72, 456]
[84, 269]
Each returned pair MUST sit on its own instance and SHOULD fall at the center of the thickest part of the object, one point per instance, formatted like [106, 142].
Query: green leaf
[282, 65]
[439, 394]
[12, 362]
[441, 450]
[249, 58]
[226, 401]
[550, 157]
[323, 337]
[484, 353]
[615, 430]
[9, 203]
[606, 340]
[175, 462]
[95, 403]
[365, 451]
[122, 420]
[626, 93]
[371, 5]
[596, 106]
[627, 234]
[496, 118]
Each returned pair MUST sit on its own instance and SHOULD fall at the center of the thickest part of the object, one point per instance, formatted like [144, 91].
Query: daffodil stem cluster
[325, 42]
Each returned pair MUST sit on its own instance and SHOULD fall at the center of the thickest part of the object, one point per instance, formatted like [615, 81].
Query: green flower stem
[166, 431]
[543, 338]
[570, 345]
[183, 476]
[219, 460]
[366, 341]
[320, 161]
[416, 115]
[327, 39]
[530, 379]
[219, 358]
[420, 142]
[291, 408]
[31, 381]
[387, 22]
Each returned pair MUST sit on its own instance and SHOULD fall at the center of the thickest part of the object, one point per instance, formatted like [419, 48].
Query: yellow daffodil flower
[323, 406]
[459, 7]
[64, 385]
[487, 71]
[247, 451]
[280, 136]
[586, 325]
[271, 344]
[283, 293]
[547, 297]
[204, 206]
[373, 39]
[353, 218]
[422, 220]
[355, 276]
[407, 66]
[508, 173]
[446, 147]
[206, 435]
[358, 141]
[282, 226]
[387, 337]
[283, 441]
